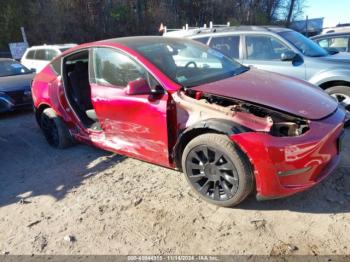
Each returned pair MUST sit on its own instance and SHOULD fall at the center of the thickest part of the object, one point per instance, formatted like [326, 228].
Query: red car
[176, 103]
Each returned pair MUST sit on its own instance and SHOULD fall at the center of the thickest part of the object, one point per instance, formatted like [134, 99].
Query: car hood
[276, 91]
[341, 58]
[17, 82]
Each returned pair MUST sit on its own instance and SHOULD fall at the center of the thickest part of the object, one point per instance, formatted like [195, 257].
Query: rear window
[30, 54]
[51, 54]
[40, 54]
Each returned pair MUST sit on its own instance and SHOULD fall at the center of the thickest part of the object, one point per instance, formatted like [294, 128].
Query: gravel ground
[86, 201]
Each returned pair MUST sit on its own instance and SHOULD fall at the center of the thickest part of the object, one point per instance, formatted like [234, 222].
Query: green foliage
[59, 21]
[120, 13]
[11, 19]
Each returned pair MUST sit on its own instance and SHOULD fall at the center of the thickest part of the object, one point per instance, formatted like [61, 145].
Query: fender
[330, 75]
[212, 125]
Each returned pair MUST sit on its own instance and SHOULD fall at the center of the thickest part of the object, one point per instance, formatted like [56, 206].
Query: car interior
[228, 45]
[78, 90]
[181, 63]
[263, 48]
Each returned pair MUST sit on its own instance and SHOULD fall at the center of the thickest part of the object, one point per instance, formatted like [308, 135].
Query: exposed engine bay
[200, 106]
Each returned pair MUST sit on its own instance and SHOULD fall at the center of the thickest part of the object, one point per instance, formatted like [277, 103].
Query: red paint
[147, 127]
[269, 155]
[280, 92]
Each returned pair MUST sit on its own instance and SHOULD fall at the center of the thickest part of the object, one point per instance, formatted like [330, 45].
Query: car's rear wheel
[217, 170]
[342, 94]
[54, 129]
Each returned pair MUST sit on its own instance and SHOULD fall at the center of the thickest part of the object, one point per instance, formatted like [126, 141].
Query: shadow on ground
[29, 167]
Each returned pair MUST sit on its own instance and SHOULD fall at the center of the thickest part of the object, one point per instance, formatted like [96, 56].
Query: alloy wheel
[212, 173]
[343, 100]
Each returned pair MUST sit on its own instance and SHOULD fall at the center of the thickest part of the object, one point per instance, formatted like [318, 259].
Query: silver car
[279, 50]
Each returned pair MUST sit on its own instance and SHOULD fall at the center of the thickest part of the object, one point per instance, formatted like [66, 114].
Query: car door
[135, 125]
[264, 52]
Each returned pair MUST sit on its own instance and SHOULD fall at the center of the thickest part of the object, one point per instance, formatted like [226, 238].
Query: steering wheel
[190, 63]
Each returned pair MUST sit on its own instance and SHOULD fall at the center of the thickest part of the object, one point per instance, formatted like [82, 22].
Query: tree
[59, 21]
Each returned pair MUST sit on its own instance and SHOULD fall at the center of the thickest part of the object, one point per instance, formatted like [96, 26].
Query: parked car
[334, 42]
[37, 57]
[280, 50]
[231, 129]
[15, 81]
[341, 28]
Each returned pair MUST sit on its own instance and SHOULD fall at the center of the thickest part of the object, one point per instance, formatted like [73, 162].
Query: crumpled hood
[276, 91]
[17, 82]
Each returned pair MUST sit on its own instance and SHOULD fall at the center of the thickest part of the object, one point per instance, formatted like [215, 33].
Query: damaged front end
[288, 153]
[196, 106]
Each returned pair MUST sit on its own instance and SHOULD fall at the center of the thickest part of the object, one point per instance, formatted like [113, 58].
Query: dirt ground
[86, 201]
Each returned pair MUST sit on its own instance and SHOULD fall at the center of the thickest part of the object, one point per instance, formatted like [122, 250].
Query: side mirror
[158, 90]
[288, 56]
[332, 50]
[138, 87]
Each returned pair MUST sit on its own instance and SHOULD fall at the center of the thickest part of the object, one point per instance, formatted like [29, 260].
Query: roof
[53, 46]
[342, 29]
[327, 35]
[136, 40]
[202, 31]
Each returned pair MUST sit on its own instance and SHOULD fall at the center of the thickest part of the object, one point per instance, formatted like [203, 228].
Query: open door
[133, 118]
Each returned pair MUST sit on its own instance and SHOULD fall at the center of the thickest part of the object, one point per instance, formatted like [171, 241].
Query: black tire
[342, 93]
[223, 172]
[54, 129]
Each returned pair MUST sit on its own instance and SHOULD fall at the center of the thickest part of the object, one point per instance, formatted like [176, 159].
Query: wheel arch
[332, 83]
[216, 126]
[38, 112]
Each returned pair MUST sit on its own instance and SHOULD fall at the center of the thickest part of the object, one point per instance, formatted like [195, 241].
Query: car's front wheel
[217, 170]
[342, 94]
[54, 129]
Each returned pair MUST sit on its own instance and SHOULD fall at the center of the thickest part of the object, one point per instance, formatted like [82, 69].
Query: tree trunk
[290, 12]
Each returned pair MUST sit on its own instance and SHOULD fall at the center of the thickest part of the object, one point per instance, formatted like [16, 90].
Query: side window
[30, 54]
[115, 69]
[323, 43]
[51, 54]
[260, 47]
[228, 45]
[40, 54]
[339, 43]
[203, 40]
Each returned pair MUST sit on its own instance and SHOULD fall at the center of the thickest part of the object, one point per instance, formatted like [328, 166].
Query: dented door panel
[133, 124]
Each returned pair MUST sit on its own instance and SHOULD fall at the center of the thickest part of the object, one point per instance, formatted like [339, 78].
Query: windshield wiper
[241, 70]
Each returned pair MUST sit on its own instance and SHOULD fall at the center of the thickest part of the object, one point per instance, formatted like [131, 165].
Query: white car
[37, 57]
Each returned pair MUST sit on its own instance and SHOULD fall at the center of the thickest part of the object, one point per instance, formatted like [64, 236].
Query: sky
[333, 11]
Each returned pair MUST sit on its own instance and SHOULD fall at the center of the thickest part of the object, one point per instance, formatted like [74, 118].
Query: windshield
[188, 63]
[303, 44]
[11, 68]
